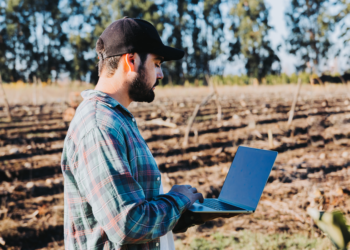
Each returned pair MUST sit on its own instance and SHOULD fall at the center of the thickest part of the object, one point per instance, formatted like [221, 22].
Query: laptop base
[199, 208]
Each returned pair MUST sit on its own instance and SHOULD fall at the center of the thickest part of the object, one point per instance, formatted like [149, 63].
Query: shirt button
[158, 178]
[133, 119]
[157, 244]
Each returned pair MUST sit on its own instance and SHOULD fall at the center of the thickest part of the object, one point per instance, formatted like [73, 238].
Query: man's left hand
[212, 216]
[189, 219]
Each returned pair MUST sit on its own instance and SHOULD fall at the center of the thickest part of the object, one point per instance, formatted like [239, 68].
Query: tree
[207, 42]
[174, 70]
[251, 28]
[197, 26]
[34, 38]
[14, 31]
[93, 17]
[310, 27]
[46, 37]
[4, 70]
[341, 18]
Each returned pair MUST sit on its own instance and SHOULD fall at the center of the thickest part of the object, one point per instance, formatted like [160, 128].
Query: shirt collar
[103, 97]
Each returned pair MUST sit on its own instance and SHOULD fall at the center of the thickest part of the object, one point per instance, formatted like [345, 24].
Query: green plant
[333, 225]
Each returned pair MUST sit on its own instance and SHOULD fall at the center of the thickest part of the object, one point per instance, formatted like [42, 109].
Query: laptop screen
[247, 176]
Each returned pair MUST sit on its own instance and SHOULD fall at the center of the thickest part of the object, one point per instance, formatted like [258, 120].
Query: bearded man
[112, 186]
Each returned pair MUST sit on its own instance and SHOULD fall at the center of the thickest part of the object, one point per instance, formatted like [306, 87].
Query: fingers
[199, 197]
[189, 191]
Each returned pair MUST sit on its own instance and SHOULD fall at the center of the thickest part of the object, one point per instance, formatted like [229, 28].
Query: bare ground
[312, 168]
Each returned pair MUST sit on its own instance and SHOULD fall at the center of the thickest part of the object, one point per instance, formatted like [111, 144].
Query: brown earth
[312, 168]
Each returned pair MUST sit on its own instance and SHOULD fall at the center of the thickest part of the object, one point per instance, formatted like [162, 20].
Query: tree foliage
[343, 18]
[251, 28]
[196, 26]
[32, 38]
[310, 25]
[46, 38]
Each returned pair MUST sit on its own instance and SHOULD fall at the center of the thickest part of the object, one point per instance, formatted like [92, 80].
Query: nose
[160, 74]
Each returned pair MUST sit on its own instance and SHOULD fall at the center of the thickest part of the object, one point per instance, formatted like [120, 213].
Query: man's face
[141, 89]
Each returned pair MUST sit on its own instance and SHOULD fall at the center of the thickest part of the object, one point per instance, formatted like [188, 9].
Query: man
[113, 192]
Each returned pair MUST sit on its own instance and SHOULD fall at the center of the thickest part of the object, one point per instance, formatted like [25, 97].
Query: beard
[138, 89]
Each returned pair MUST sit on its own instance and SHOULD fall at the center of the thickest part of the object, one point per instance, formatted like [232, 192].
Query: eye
[157, 65]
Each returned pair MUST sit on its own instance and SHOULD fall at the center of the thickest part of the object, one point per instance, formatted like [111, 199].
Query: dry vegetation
[312, 168]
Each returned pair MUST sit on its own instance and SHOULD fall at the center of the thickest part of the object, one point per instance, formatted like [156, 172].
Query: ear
[129, 62]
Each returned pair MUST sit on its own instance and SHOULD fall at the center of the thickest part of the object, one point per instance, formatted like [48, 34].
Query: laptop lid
[247, 176]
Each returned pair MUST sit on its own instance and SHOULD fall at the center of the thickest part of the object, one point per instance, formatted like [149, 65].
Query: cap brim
[169, 53]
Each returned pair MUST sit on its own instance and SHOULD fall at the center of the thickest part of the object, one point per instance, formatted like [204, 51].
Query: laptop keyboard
[218, 205]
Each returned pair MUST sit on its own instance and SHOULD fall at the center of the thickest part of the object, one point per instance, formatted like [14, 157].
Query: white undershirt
[166, 241]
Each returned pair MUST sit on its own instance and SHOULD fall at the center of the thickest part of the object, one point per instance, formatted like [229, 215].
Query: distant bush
[245, 80]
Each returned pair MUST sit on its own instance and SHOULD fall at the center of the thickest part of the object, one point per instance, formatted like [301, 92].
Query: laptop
[243, 185]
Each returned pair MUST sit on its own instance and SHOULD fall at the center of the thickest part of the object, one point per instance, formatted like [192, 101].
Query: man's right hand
[189, 191]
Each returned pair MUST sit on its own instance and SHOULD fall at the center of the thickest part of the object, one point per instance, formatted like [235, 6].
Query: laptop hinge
[237, 205]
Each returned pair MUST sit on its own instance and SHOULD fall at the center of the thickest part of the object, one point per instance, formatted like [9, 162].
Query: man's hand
[212, 216]
[189, 191]
[189, 219]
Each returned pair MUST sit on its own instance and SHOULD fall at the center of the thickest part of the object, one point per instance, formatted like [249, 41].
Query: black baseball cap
[130, 35]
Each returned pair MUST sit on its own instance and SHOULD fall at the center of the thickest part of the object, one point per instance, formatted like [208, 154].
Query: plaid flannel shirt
[111, 181]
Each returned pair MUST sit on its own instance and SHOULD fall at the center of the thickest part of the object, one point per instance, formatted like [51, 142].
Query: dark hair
[143, 57]
[111, 63]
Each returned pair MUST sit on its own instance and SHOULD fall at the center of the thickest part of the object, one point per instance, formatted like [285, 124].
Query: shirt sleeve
[118, 202]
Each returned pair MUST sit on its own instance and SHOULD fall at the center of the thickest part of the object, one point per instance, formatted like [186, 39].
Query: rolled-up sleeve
[118, 203]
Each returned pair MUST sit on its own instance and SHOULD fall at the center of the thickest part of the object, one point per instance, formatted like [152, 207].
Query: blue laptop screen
[247, 176]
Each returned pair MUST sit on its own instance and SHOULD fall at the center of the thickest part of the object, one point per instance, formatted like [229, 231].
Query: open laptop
[244, 183]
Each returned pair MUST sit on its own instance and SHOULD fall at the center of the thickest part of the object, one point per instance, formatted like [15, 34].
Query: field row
[312, 168]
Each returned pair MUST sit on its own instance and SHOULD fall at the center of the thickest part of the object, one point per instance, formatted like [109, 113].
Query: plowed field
[312, 168]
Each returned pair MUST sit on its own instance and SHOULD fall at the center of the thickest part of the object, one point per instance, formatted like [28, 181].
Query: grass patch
[248, 240]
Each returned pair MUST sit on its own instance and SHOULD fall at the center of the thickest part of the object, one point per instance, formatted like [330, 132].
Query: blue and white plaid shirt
[111, 181]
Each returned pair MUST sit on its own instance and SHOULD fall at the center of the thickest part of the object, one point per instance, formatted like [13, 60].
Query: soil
[312, 167]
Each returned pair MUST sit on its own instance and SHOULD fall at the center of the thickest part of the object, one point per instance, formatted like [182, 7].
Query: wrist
[185, 201]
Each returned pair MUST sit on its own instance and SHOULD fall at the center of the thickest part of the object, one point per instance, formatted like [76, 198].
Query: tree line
[45, 38]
